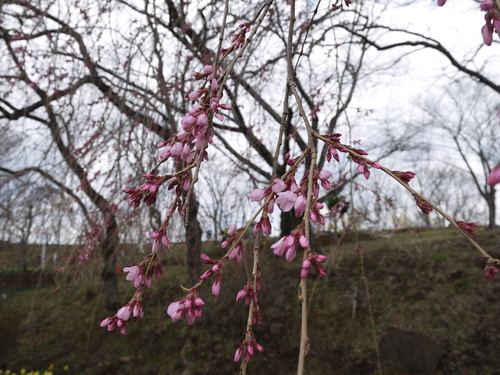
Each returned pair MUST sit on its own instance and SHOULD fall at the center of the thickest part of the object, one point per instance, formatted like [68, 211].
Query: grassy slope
[430, 281]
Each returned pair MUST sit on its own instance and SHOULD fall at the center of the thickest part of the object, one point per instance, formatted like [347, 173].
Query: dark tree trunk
[289, 222]
[490, 199]
[193, 240]
[108, 275]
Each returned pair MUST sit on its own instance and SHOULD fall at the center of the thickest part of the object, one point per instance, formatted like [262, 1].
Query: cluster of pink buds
[247, 348]
[143, 273]
[237, 252]
[248, 291]
[148, 191]
[216, 268]
[195, 122]
[263, 224]
[468, 227]
[315, 215]
[492, 19]
[288, 245]
[132, 309]
[425, 207]
[160, 237]
[239, 38]
[362, 162]
[490, 271]
[189, 306]
[404, 176]
[312, 259]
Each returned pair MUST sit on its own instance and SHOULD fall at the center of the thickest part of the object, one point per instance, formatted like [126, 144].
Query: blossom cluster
[132, 309]
[247, 348]
[189, 307]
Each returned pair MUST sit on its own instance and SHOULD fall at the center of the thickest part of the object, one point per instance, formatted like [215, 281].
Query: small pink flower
[279, 185]
[286, 200]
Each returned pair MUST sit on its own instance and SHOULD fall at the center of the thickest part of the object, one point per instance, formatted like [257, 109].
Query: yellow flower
[22, 372]
[65, 368]
[51, 367]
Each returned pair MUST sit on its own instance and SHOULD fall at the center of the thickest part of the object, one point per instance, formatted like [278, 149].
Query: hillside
[430, 281]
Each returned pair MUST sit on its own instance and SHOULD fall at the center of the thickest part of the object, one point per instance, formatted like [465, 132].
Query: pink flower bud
[257, 195]
[494, 177]
[202, 120]
[324, 174]
[303, 242]
[232, 230]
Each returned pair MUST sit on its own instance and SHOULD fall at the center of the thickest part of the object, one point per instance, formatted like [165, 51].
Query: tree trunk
[289, 222]
[193, 240]
[490, 199]
[108, 275]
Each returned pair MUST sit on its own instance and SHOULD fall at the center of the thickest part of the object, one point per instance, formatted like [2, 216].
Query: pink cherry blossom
[286, 200]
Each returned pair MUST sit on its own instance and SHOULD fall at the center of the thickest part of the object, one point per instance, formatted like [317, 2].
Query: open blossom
[286, 200]
[189, 307]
